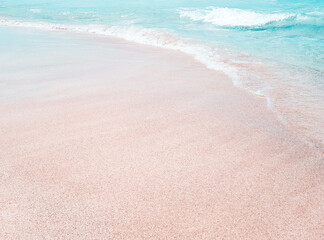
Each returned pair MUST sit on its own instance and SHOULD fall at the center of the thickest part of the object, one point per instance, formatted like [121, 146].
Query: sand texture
[104, 139]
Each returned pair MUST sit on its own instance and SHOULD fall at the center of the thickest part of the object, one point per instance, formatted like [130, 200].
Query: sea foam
[155, 37]
[233, 17]
[207, 55]
[211, 57]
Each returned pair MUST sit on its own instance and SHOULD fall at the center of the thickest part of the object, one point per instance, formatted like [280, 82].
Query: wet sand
[105, 139]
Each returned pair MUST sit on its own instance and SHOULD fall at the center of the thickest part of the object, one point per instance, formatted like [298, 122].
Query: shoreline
[296, 109]
[167, 149]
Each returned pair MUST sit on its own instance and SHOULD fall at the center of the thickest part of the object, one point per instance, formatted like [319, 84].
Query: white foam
[66, 13]
[154, 37]
[233, 17]
[35, 10]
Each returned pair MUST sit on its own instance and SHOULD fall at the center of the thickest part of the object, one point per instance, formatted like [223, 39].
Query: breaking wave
[234, 17]
[242, 74]
[155, 37]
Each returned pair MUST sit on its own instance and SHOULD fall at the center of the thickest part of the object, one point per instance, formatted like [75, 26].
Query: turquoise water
[289, 31]
[232, 36]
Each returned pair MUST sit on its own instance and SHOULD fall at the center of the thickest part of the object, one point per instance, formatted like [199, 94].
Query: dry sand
[113, 140]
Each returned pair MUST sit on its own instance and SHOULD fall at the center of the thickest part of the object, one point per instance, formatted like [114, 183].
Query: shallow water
[272, 48]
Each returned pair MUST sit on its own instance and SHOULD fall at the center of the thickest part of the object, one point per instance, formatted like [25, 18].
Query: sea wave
[243, 74]
[211, 57]
[155, 37]
[234, 17]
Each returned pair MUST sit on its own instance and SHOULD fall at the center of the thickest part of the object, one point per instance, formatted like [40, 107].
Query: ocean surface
[272, 48]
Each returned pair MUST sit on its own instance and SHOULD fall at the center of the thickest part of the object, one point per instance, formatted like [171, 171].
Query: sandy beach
[105, 139]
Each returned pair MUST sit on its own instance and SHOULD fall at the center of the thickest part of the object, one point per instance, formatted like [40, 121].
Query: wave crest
[234, 17]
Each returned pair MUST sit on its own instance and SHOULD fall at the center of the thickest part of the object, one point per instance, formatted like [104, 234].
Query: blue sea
[272, 48]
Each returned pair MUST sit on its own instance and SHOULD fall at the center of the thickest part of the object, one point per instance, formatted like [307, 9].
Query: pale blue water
[287, 35]
[294, 35]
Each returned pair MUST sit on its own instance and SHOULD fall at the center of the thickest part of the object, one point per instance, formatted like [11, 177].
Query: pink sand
[134, 142]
